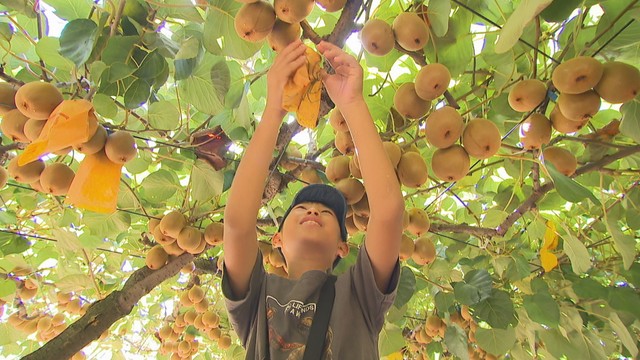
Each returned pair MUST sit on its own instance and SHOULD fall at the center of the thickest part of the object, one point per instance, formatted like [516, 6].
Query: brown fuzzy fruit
[338, 168]
[33, 128]
[410, 31]
[214, 233]
[120, 147]
[189, 238]
[419, 222]
[361, 222]
[577, 75]
[352, 229]
[283, 34]
[377, 37]
[393, 152]
[161, 238]
[337, 121]
[7, 97]
[56, 179]
[354, 167]
[96, 143]
[172, 248]
[425, 251]
[451, 164]
[620, 82]
[432, 81]
[361, 208]
[535, 131]
[579, 107]
[564, 125]
[408, 103]
[36, 100]
[331, 5]
[444, 127]
[563, 160]
[201, 246]
[291, 152]
[4, 177]
[352, 189]
[310, 175]
[406, 247]
[481, 138]
[26, 174]
[172, 223]
[156, 258]
[293, 11]
[526, 95]
[13, 124]
[412, 170]
[196, 294]
[254, 21]
[152, 224]
[224, 342]
[344, 143]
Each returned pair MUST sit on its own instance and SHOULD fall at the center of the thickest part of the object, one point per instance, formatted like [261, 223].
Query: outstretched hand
[345, 85]
[283, 67]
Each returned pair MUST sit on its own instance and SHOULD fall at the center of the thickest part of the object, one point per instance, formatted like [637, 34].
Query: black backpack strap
[318, 332]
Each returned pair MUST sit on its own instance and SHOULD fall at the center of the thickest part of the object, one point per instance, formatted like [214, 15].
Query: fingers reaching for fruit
[345, 85]
[284, 65]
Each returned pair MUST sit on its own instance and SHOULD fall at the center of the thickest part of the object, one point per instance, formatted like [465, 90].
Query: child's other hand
[345, 85]
[284, 65]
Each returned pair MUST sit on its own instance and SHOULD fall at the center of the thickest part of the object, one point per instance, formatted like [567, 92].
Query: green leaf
[630, 125]
[119, 49]
[542, 309]
[7, 287]
[624, 299]
[107, 225]
[497, 310]
[89, 241]
[137, 94]
[189, 49]
[444, 301]
[496, 341]
[519, 19]
[624, 244]
[48, 50]
[70, 9]
[13, 244]
[66, 239]
[206, 182]
[8, 218]
[588, 288]
[568, 188]
[477, 287]
[219, 26]
[559, 10]
[456, 340]
[466, 294]
[199, 91]
[577, 252]
[163, 115]
[406, 287]
[105, 106]
[77, 39]
[159, 186]
[439, 12]
[179, 9]
[74, 282]
[390, 339]
[221, 79]
[623, 334]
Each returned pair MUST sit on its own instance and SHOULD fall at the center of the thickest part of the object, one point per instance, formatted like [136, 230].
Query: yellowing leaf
[526, 11]
[96, 184]
[548, 259]
[550, 236]
[303, 91]
[395, 356]
[72, 122]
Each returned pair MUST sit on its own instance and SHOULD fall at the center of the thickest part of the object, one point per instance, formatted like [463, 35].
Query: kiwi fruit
[412, 170]
[26, 174]
[444, 127]
[349, 223]
[419, 222]
[361, 222]
[152, 224]
[172, 223]
[406, 247]
[481, 138]
[337, 121]
[283, 34]
[425, 251]
[331, 5]
[56, 179]
[526, 95]
[535, 131]
[338, 168]
[620, 82]
[33, 129]
[351, 189]
[196, 294]
[564, 125]
[450, 164]
[579, 107]
[4, 177]
[214, 233]
[344, 143]
[224, 342]
[354, 167]
[120, 147]
[254, 21]
[173, 248]
[36, 100]
[189, 238]
[361, 208]
[408, 103]
[161, 238]
[290, 152]
[563, 160]
[432, 81]
[393, 152]
[7, 97]
[37, 186]
[156, 258]
[410, 31]
[96, 143]
[310, 175]
[377, 37]
[577, 75]
[276, 259]
[13, 124]
[293, 11]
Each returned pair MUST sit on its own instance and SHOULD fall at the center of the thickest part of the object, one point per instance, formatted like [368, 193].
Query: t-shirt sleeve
[242, 312]
[374, 303]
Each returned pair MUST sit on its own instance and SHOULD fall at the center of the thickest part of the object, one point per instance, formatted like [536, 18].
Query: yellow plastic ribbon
[96, 184]
[303, 91]
[548, 259]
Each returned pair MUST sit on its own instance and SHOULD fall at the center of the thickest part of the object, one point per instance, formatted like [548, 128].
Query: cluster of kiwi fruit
[272, 259]
[413, 99]
[278, 23]
[45, 326]
[175, 236]
[410, 30]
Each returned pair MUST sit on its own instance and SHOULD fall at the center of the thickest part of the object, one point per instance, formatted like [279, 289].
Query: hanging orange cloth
[96, 184]
[303, 90]
[72, 122]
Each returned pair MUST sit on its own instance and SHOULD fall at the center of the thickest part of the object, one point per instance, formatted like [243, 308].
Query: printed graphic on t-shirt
[289, 325]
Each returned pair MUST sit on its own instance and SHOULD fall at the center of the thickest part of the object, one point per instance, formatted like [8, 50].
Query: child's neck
[295, 270]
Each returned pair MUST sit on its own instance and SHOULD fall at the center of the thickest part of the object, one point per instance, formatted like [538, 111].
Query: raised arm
[245, 196]
[386, 204]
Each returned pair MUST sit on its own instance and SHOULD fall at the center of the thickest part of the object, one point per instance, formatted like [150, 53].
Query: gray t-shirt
[280, 311]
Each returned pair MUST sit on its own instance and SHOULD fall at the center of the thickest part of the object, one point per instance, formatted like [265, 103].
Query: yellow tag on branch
[303, 90]
[96, 184]
[72, 122]
[548, 259]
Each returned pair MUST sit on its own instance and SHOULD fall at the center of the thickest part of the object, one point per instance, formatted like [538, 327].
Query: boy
[272, 315]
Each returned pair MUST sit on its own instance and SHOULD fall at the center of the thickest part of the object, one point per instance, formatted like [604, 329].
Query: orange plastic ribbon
[303, 91]
[96, 184]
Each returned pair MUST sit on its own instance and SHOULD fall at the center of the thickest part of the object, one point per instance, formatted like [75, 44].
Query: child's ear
[276, 240]
[343, 249]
